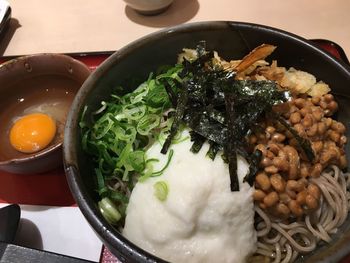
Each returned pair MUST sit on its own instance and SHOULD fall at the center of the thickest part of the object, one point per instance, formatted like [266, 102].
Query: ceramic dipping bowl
[41, 83]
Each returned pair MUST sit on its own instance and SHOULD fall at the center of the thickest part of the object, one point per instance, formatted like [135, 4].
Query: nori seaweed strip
[263, 91]
[304, 144]
[196, 92]
[213, 150]
[198, 141]
[172, 95]
[218, 80]
[203, 125]
[232, 166]
[254, 161]
[220, 109]
[230, 146]
[180, 109]
[215, 114]
[252, 99]
[246, 117]
[201, 48]
[241, 148]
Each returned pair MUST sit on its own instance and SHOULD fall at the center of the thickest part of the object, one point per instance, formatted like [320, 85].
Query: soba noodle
[284, 242]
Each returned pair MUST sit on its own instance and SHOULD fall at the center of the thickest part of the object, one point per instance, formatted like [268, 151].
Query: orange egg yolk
[32, 133]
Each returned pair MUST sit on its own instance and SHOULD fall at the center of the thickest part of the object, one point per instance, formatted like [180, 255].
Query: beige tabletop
[101, 25]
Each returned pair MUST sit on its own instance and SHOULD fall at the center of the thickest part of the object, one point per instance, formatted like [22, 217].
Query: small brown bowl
[44, 83]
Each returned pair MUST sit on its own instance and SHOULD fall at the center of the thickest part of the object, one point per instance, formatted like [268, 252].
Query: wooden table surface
[93, 25]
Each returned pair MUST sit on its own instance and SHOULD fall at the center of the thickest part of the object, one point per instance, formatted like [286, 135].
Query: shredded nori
[171, 93]
[230, 149]
[198, 141]
[254, 161]
[180, 109]
[213, 149]
[304, 143]
[221, 109]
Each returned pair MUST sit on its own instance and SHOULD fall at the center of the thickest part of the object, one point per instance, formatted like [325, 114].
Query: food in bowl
[189, 213]
[32, 132]
[39, 91]
[234, 112]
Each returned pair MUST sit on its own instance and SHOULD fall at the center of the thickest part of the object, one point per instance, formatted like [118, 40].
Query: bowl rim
[80, 193]
[52, 147]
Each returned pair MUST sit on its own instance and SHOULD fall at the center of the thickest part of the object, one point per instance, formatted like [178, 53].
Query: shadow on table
[8, 34]
[28, 235]
[179, 12]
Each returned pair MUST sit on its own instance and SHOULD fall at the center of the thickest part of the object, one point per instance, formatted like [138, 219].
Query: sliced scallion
[109, 211]
[161, 190]
[160, 172]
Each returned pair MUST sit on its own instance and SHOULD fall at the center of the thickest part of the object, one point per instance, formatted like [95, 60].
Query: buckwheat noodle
[284, 242]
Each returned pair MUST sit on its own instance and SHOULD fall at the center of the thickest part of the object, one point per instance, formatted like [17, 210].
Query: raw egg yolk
[32, 133]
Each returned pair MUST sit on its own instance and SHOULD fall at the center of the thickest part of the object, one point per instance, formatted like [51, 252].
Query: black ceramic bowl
[232, 40]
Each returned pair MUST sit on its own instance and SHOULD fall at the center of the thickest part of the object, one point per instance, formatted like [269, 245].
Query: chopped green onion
[117, 134]
[137, 160]
[160, 172]
[109, 211]
[82, 122]
[118, 197]
[126, 133]
[161, 190]
[148, 123]
[148, 172]
[84, 141]
[148, 169]
[102, 189]
[107, 124]
[103, 107]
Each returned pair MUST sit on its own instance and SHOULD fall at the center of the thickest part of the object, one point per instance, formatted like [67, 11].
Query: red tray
[51, 188]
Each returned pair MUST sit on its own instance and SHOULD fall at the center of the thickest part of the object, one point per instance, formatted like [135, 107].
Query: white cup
[149, 7]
